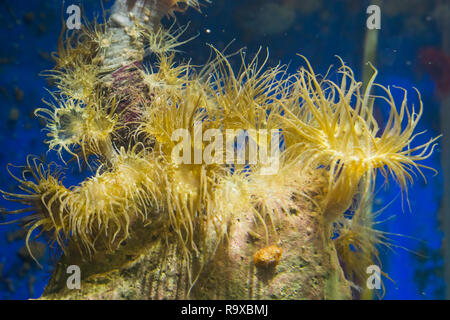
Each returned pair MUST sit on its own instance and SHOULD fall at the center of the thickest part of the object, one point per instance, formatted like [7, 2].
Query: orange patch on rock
[267, 257]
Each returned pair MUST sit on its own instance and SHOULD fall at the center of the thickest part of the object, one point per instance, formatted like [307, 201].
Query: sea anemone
[44, 192]
[102, 208]
[164, 41]
[330, 151]
[71, 123]
[358, 240]
[250, 98]
[166, 76]
[323, 129]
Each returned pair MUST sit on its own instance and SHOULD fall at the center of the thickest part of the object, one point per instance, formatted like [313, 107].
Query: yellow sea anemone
[324, 128]
[71, 123]
[43, 195]
[166, 76]
[250, 98]
[102, 208]
[163, 41]
[333, 151]
[358, 242]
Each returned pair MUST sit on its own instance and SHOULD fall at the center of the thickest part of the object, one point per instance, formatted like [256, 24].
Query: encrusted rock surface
[146, 267]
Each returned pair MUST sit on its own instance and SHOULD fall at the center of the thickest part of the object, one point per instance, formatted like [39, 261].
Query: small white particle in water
[208, 31]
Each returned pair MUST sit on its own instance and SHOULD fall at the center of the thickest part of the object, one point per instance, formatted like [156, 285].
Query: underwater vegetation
[117, 116]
